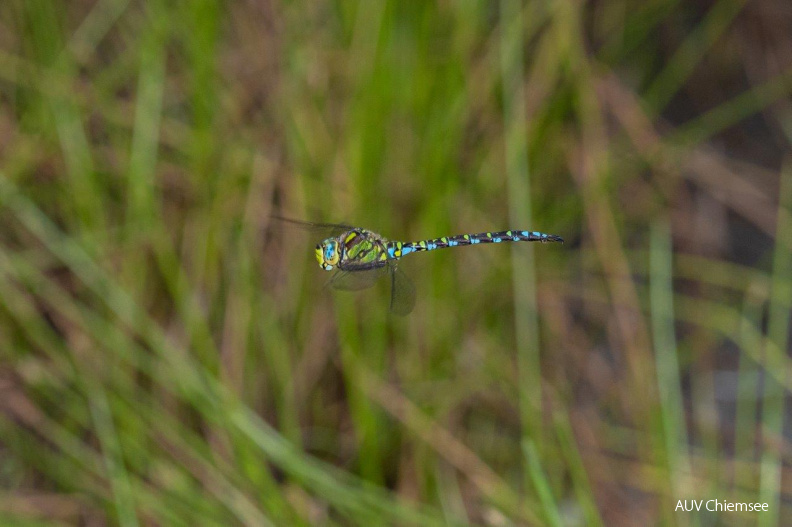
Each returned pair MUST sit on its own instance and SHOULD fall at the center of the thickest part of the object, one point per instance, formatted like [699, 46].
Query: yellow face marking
[320, 255]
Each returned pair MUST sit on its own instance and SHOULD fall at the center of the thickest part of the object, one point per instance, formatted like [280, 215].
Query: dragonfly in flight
[360, 257]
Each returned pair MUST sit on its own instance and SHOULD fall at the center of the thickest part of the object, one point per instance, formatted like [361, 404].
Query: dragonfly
[360, 257]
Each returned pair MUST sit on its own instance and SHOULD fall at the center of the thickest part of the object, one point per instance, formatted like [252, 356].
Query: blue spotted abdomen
[399, 249]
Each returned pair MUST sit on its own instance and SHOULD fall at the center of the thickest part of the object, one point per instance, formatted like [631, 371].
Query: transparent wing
[402, 292]
[356, 280]
[325, 229]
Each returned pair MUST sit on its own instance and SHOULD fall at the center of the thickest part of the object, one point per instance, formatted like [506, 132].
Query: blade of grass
[541, 484]
[142, 198]
[87, 195]
[778, 334]
[745, 424]
[365, 416]
[450, 496]
[95, 26]
[690, 53]
[519, 191]
[114, 463]
[667, 365]
[703, 127]
[578, 474]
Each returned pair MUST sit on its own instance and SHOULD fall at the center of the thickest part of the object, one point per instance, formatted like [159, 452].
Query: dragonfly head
[327, 254]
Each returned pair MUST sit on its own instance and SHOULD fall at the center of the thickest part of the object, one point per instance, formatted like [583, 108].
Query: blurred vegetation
[170, 357]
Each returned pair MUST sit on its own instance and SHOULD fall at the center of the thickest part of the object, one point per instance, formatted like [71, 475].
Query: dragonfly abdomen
[399, 249]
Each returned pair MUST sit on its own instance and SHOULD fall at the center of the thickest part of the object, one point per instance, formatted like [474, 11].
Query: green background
[169, 355]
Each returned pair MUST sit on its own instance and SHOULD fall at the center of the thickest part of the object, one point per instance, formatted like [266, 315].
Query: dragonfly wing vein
[402, 292]
[356, 280]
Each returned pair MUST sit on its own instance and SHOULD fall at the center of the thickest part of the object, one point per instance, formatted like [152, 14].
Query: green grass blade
[690, 53]
[541, 484]
[667, 363]
[519, 191]
[773, 406]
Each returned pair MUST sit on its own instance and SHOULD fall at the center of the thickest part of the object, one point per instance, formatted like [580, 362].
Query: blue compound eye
[331, 253]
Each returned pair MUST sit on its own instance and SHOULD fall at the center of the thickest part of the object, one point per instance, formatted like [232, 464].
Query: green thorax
[362, 248]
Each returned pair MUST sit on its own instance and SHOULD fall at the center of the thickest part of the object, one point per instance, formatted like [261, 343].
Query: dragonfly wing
[356, 280]
[325, 229]
[402, 298]
[402, 292]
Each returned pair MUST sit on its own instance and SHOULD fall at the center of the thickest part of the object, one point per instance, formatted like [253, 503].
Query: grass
[170, 357]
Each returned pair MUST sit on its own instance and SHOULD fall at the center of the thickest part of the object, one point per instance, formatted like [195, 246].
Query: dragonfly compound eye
[331, 253]
[327, 254]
